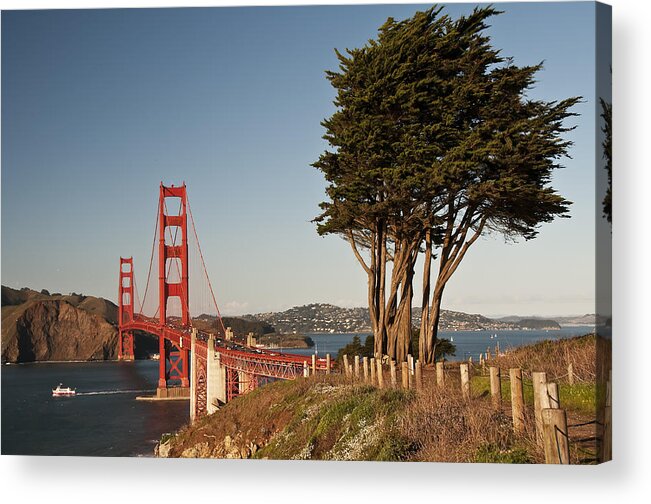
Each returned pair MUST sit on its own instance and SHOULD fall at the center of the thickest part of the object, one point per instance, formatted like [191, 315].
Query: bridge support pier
[125, 346]
[216, 378]
[193, 376]
[173, 375]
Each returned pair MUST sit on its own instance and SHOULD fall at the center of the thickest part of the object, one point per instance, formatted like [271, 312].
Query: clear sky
[99, 106]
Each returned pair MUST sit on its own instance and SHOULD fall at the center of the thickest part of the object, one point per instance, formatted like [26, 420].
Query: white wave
[111, 392]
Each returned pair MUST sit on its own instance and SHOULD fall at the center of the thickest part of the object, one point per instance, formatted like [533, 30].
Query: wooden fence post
[496, 386]
[365, 368]
[552, 392]
[380, 377]
[327, 363]
[555, 439]
[357, 366]
[345, 360]
[392, 373]
[405, 375]
[607, 432]
[440, 374]
[540, 401]
[465, 380]
[306, 370]
[419, 375]
[372, 371]
[517, 399]
[570, 374]
[313, 364]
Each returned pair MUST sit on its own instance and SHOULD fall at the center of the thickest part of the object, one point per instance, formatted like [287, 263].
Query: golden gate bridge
[206, 363]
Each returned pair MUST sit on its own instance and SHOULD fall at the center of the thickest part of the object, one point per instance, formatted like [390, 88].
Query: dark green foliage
[355, 347]
[428, 114]
[442, 347]
[607, 145]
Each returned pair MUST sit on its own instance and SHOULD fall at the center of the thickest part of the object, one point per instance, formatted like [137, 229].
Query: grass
[492, 454]
[580, 397]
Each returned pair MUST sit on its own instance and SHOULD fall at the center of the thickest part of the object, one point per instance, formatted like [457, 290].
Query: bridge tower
[174, 361]
[125, 309]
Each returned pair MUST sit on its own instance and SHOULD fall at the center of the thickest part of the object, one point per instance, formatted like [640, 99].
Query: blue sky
[99, 106]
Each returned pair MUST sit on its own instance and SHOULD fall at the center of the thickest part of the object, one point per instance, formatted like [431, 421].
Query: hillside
[37, 326]
[324, 318]
[331, 417]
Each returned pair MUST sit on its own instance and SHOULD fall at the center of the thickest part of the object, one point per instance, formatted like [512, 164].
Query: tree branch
[351, 240]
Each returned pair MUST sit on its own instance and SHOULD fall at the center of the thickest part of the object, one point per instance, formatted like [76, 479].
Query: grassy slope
[331, 418]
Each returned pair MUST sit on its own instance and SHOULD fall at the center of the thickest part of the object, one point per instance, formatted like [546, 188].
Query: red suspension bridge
[199, 360]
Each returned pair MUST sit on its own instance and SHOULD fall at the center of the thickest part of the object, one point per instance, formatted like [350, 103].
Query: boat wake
[111, 392]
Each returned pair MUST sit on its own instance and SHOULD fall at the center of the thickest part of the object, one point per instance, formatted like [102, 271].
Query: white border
[74, 479]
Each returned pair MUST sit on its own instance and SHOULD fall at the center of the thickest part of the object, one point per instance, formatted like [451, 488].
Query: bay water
[104, 418]
[468, 343]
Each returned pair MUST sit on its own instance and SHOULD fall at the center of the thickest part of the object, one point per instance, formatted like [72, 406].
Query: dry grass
[445, 427]
[554, 357]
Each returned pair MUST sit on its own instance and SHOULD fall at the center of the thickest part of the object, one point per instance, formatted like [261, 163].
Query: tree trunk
[435, 315]
[403, 321]
[398, 321]
[390, 321]
[424, 345]
[381, 335]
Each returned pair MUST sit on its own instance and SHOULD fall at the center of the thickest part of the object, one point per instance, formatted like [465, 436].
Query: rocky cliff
[43, 327]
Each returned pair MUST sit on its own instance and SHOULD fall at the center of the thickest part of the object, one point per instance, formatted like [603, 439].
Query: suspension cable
[151, 261]
[194, 229]
[135, 288]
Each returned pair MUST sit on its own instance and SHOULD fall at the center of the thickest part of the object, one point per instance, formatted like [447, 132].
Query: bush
[443, 347]
[355, 347]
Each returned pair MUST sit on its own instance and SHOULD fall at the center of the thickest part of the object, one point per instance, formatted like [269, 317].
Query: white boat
[61, 391]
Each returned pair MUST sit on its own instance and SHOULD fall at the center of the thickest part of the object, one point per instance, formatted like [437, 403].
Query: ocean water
[104, 419]
[468, 343]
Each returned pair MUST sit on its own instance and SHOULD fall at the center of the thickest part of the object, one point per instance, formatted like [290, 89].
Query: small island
[282, 341]
[539, 324]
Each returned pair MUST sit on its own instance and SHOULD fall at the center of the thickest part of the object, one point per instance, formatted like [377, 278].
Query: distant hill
[324, 318]
[564, 321]
[316, 317]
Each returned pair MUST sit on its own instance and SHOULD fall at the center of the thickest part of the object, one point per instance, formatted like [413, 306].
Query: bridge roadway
[254, 361]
